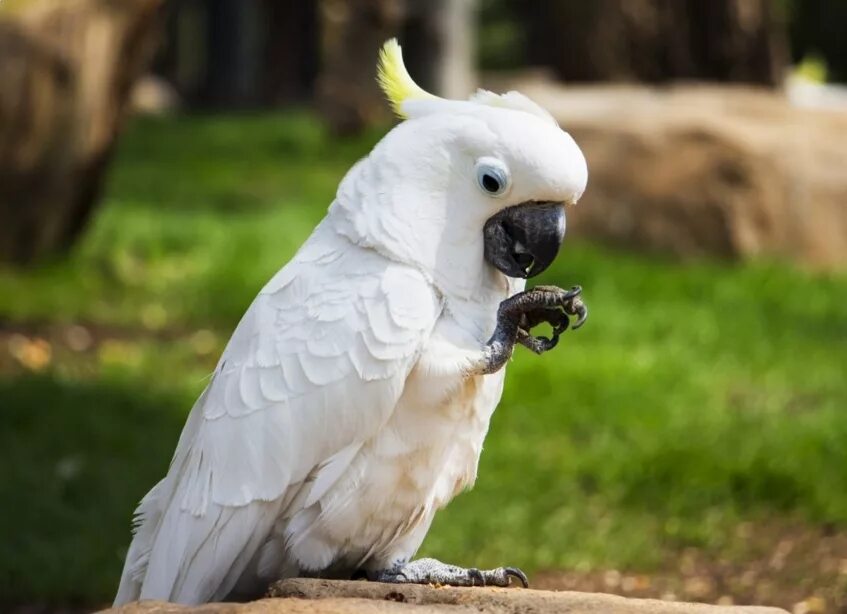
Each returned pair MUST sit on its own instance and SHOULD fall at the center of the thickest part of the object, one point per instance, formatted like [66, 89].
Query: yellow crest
[395, 80]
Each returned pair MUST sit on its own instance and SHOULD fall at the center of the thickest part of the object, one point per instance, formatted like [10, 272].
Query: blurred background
[160, 160]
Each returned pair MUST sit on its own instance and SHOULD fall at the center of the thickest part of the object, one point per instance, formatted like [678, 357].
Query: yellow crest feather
[394, 79]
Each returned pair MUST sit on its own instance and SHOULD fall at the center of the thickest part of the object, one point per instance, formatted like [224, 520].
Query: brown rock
[288, 606]
[308, 596]
[707, 171]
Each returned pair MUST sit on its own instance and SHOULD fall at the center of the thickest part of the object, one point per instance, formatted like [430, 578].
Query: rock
[308, 596]
[286, 606]
[697, 171]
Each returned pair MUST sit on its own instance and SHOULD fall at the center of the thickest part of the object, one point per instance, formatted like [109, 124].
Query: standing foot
[431, 571]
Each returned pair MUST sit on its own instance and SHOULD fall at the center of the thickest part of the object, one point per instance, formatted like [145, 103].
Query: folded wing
[315, 367]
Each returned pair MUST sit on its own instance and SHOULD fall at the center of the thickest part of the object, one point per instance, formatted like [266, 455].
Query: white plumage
[345, 409]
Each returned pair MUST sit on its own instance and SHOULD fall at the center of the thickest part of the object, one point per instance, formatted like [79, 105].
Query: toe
[579, 309]
[514, 572]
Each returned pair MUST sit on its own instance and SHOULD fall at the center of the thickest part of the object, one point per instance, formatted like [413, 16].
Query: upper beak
[522, 240]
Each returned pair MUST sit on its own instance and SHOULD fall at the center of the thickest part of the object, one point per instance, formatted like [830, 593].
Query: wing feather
[313, 370]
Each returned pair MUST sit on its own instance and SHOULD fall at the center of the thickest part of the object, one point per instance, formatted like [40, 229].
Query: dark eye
[490, 183]
[492, 176]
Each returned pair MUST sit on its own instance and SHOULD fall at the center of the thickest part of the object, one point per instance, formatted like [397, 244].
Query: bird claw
[551, 305]
[518, 314]
[432, 571]
[579, 309]
[514, 572]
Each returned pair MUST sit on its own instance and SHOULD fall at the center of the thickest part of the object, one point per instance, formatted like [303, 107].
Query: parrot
[353, 398]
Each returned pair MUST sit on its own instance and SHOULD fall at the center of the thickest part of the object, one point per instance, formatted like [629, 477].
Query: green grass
[697, 396]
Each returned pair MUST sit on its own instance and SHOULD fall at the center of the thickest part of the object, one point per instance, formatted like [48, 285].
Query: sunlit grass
[695, 397]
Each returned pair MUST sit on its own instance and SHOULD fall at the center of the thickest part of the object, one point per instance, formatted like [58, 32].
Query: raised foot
[432, 571]
[549, 304]
[518, 314]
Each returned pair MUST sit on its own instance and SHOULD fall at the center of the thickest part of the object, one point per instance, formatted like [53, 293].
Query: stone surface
[706, 171]
[308, 596]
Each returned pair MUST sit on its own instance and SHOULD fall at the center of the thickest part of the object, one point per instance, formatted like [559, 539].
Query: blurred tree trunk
[291, 53]
[67, 67]
[437, 39]
[240, 53]
[658, 40]
[352, 32]
[233, 52]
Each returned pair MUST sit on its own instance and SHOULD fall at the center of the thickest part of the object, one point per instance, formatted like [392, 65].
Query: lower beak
[523, 240]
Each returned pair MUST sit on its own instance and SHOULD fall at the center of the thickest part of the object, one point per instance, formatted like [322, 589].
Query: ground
[687, 442]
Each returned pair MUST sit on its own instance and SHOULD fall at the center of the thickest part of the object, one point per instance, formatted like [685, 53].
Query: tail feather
[189, 553]
[145, 523]
[179, 557]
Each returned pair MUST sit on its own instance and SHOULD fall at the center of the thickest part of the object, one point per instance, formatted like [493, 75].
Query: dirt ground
[793, 566]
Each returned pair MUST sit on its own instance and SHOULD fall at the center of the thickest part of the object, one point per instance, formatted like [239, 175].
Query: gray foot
[566, 303]
[518, 314]
[431, 571]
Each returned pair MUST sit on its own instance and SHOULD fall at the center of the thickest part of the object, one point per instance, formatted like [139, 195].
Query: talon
[562, 325]
[580, 310]
[475, 574]
[574, 292]
[514, 572]
[538, 345]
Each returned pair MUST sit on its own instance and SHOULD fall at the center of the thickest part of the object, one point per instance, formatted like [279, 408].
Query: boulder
[695, 171]
[309, 596]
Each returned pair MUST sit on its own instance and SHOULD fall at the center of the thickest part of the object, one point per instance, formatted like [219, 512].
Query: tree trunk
[352, 33]
[67, 67]
[291, 53]
[234, 53]
[438, 45]
[437, 40]
[657, 41]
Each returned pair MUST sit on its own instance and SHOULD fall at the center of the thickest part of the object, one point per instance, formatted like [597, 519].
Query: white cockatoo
[354, 396]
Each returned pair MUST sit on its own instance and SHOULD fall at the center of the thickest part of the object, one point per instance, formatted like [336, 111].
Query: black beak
[522, 240]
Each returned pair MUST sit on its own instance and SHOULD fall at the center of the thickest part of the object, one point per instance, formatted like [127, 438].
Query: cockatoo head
[464, 189]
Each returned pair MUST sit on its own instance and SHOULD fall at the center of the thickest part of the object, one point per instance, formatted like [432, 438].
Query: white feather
[284, 402]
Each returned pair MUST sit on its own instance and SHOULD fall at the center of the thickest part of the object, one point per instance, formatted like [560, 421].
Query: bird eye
[492, 176]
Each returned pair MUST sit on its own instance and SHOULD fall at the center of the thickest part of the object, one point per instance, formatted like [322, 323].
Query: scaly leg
[516, 316]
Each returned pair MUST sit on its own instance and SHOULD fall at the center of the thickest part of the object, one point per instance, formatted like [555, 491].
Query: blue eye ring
[492, 176]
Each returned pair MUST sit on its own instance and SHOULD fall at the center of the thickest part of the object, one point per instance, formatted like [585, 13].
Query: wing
[315, 366]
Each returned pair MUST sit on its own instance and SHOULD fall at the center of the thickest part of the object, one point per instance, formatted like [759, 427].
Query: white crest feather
[512, 100]
[399, 87]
